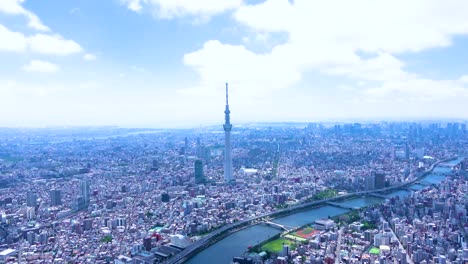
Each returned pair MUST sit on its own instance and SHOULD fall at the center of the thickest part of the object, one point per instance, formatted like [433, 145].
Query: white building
[5, 254]
[324, 224]
[180, 241]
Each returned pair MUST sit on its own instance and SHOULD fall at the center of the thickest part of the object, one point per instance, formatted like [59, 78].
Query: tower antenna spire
[227, 94]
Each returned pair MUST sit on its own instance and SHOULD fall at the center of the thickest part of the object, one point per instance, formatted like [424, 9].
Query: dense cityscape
[233, 132]
[113, 195]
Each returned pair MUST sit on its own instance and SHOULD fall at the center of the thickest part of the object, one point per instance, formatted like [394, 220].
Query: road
[217, 234]
[394, 236]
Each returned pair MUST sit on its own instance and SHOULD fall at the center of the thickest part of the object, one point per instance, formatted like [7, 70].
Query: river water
[236, 244]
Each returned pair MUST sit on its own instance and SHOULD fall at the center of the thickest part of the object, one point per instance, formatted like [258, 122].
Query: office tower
[43, 237]
[199, 178]
[379, 179]
[227, 139]
[165, 198]
[369, 182]
[78, 203]
[199, 148]
[147, 243]
[407, 151]
[31, 213]
[55, 197]
[88, 224]
[84, 191]
[30, 237]
[31, 199]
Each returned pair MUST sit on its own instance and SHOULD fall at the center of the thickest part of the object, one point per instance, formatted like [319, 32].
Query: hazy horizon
[182, 126]
[157, 63]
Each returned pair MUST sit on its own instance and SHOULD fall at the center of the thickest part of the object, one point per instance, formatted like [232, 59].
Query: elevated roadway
[224, 231]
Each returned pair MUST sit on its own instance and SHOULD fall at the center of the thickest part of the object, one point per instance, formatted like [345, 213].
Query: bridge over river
[226, 230]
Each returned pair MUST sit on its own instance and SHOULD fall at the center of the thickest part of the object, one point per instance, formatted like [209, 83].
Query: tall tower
[199, 178]
[227, 140]
[55, 197]
[84, 190]
[31, 199]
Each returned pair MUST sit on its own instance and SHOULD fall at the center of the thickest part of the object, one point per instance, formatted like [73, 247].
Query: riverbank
[197, 249]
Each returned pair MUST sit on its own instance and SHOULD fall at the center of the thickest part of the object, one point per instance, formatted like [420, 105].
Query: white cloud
[250, 73]
[53, 45]
[41, 67]
[38, 43]
[395, 26]
[11, 41]
[139, 69]
[89, 57]
[419, 89]
[168, 9]
[13, 7]
[355, 39]
[464, 79]
[134, 5]
[383, 67]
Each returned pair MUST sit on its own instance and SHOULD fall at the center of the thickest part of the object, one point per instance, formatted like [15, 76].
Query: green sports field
[276, 246]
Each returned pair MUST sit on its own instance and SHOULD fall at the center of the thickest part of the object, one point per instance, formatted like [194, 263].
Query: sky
[164, 63]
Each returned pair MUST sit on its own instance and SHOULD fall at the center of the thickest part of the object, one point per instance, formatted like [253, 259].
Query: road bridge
[378, 195]
[218, 234]
[282, 227]
[340, 205]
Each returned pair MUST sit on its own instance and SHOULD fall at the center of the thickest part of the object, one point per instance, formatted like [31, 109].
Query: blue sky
[163, 63]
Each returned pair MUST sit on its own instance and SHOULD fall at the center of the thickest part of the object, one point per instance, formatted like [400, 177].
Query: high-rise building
[165, 197]
[393, 153]
[87, 224]
[84, 191]
[199, 177]
[31, 213]
[147, 243]
[199, 148]
[379, 179]
[78, 203]
[376, 180]
[55, 197]
[227, 140]
[31, 199]
[30, 237]
[369, 182]
[407, 151]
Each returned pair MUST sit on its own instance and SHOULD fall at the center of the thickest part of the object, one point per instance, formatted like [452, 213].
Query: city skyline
[156, 63]
[120, 196]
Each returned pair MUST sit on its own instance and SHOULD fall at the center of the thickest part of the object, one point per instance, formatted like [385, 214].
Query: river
[236, 244]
